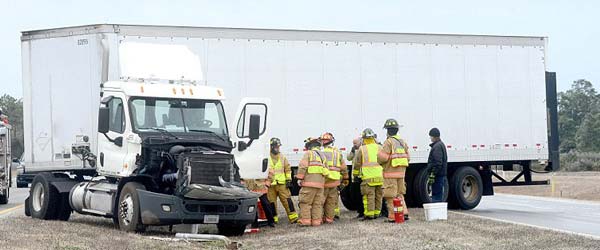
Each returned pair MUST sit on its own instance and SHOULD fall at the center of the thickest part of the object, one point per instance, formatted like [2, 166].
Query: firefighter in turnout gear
[394, 158]
[338, 177]
[280, 178]
[312, 172]
[371, 174]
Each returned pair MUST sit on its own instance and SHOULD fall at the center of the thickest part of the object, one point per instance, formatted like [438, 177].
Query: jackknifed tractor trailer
[129, 121]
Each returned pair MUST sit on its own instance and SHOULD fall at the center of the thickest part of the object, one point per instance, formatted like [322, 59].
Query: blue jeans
[437, 189]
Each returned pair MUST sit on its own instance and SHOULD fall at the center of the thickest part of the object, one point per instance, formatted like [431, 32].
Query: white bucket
[436, 211]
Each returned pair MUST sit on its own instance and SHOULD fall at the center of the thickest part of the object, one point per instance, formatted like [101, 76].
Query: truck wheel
[347, 198]
[129, 208]
[44, 198]
[228, 229]
[4, 198]
[422, 187]
[466, 188]
[27, 207]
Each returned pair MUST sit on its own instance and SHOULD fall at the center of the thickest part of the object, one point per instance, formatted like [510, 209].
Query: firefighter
[356, 181]
[371, 174]
[311, 175]
[337, 178]
[260, 186]
[394, 158]
[280, 177]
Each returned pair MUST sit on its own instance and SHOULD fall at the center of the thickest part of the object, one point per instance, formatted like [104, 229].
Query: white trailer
[489, 95]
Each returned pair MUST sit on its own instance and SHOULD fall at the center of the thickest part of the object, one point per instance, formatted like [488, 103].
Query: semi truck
[491, 96]
[129, 131]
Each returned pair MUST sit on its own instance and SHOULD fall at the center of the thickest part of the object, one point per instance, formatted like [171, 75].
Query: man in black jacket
[438, 162]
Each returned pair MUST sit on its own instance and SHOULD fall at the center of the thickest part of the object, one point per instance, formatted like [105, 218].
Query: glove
[300, 183]
[288, 184]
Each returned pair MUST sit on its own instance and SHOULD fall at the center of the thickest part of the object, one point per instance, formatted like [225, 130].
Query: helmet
[311, 142]
[327, 138]
[390, 123]
[368, 133]
[275, 141]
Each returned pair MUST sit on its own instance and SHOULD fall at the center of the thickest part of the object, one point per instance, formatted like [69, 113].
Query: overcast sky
[571, 26]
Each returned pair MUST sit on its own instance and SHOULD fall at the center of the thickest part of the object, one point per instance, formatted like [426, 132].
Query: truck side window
[117, 116]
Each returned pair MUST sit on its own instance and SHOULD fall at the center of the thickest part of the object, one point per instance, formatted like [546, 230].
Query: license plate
[211, 219]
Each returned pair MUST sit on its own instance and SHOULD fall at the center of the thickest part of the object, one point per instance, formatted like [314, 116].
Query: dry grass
[459, 232]
[572, 185]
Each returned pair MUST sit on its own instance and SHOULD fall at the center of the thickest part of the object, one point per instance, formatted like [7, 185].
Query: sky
[571, 26]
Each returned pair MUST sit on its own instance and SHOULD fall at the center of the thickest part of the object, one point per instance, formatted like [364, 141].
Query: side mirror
[254, 130]
[103, 120]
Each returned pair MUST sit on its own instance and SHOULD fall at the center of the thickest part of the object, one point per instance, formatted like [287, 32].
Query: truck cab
[165, 155]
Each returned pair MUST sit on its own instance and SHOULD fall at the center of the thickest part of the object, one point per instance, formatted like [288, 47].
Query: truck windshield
[178, 115]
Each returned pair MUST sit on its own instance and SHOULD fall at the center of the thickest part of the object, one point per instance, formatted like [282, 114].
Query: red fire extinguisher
[398, 210]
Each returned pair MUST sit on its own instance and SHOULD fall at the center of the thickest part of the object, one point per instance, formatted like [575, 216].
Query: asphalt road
[580, 217]
[15, 201]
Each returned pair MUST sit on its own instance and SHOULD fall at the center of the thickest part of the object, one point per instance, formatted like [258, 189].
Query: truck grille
[206, 168]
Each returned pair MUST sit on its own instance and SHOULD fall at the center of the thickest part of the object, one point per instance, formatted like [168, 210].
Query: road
[579, 217]
[15, 201]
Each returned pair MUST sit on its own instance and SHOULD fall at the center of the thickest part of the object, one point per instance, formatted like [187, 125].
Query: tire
[466, 188]
[27, 207]
[44, 198]
[128, 209]
[422, 187]
[64, 210]
[4, 198]
[347, 198]
[231, 229]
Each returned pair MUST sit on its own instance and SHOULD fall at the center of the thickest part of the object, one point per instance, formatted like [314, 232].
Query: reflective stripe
[313, 184]
[300, 176]
[332, 184]
[315, 170]
[393, 175]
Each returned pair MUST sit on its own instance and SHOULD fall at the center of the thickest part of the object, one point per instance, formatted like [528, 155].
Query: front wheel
[466, 188]
[228, 229]
[128, 209]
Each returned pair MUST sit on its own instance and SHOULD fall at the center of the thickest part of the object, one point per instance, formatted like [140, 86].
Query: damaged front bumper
[200, 204]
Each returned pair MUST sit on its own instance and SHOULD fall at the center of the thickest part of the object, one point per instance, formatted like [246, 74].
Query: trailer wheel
[129, 208]
[44, 199]
[27, 207]
[466, 188]
[347, 198]
[229, 229]
[422, 187]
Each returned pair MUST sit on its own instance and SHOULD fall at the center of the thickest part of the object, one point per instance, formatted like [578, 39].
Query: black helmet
[275, 141]
[390, 123]
[434, 132]
[312, 142]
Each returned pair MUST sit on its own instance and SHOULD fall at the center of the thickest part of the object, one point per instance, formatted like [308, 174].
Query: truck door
[111, 145]
[251, 155]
